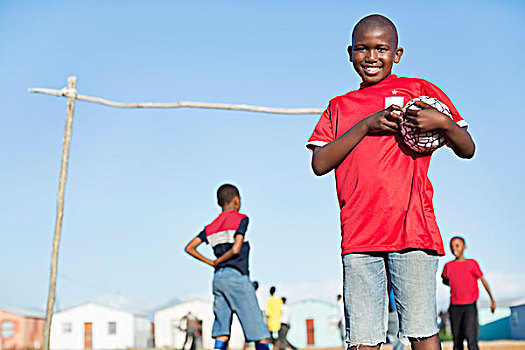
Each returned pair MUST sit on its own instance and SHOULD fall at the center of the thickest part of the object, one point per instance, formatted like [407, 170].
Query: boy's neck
[363, 84]
[228, 208]
[460, 258]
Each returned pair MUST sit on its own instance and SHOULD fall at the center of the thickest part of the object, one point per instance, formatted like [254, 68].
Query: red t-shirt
[384, 193]
[463, 278]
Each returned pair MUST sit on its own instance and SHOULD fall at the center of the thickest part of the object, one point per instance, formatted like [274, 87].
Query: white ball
[424, 142]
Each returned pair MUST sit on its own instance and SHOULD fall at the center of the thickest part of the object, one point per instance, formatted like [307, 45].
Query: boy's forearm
[459, 140]
[330, 156]
[487, 288]
[200, 257]
[191, 249]
[233, 252]
[225, 257]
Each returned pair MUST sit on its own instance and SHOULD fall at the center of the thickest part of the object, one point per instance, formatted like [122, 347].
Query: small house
[21, 329]
[314, 323]
[517, 321]
[95, 326]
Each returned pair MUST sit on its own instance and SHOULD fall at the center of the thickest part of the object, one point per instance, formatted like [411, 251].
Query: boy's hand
[386, 120]
[426, 119]
[493, 306]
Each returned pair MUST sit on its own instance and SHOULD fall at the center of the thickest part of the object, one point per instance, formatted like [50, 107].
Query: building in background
[169, 330]
[95, 326]
[20, 329]
[494, 326]
[517, 320]
[314, 323]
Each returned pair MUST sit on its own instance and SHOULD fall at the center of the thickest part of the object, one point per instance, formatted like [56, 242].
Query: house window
[66, 327]
[8, 329]
[112, 328]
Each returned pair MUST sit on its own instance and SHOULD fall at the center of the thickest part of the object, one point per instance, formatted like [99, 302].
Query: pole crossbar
[65, 92]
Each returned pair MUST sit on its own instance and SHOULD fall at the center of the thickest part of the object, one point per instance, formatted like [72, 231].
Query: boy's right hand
[386, 120]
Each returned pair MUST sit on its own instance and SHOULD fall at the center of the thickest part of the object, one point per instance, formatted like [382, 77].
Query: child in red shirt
[385, 196]
[462, 276]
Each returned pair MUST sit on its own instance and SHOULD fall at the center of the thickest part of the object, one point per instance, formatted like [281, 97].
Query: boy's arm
[233, 252]
[492, 302]
[331, 155]
[430, 119]
[191, 249]
[444, 276]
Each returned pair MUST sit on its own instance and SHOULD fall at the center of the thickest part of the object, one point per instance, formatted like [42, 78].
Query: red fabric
[227, 221]
[385, 196]
[463, 278]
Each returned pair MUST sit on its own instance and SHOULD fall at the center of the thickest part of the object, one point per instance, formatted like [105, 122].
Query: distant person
[462, 276]
[383, 189]
[341, 322]
[233, 291]
[190, 325]
[273, 312]
[260, 298]
[286, 315]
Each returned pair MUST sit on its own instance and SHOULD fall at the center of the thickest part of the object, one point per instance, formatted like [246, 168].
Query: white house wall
[99, 316]
[142, 331]
[166, 321]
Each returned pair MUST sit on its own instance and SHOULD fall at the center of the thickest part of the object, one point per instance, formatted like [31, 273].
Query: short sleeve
[476, 269]
[202, 236]
[432, 90]
[243, 226]
[444, 274]
[323, 132]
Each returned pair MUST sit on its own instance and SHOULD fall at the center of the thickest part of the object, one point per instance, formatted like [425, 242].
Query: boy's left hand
[426, 119]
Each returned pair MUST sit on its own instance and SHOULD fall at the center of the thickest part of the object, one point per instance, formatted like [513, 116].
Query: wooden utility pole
[71, 93]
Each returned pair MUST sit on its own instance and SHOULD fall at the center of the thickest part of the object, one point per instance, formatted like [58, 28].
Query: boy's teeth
[372, 69]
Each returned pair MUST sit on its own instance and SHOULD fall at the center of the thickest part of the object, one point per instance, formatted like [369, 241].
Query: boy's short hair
[226, 193]
[272, 290]
[374, 21]
[459, 237]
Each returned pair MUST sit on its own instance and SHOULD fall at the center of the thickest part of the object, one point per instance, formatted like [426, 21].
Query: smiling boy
[385, 196]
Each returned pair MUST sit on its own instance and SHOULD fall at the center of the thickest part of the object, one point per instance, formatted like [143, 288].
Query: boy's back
[233, 292]
[220, 235]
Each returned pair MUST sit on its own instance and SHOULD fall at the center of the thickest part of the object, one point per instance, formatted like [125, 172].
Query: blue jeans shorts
[233, 292]
[413, 277]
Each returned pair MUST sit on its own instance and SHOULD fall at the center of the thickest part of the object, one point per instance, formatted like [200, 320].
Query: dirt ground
[483, 345]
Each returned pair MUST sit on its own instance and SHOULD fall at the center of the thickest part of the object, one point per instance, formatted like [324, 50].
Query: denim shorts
[233, 292]
[413, 276]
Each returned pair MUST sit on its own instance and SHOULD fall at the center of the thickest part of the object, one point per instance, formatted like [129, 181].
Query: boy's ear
[349, 50]
[398, 54]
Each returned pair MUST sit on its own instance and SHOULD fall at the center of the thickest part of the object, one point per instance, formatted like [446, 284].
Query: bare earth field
[483, 345]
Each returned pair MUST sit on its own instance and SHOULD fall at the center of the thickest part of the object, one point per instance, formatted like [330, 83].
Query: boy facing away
[462, 276]
[385, 196]
[232, 289]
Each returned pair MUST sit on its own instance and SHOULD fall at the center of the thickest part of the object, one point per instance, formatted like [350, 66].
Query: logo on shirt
[394, 100]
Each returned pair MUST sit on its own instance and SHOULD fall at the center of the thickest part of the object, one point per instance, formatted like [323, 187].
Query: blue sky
[143, 182]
